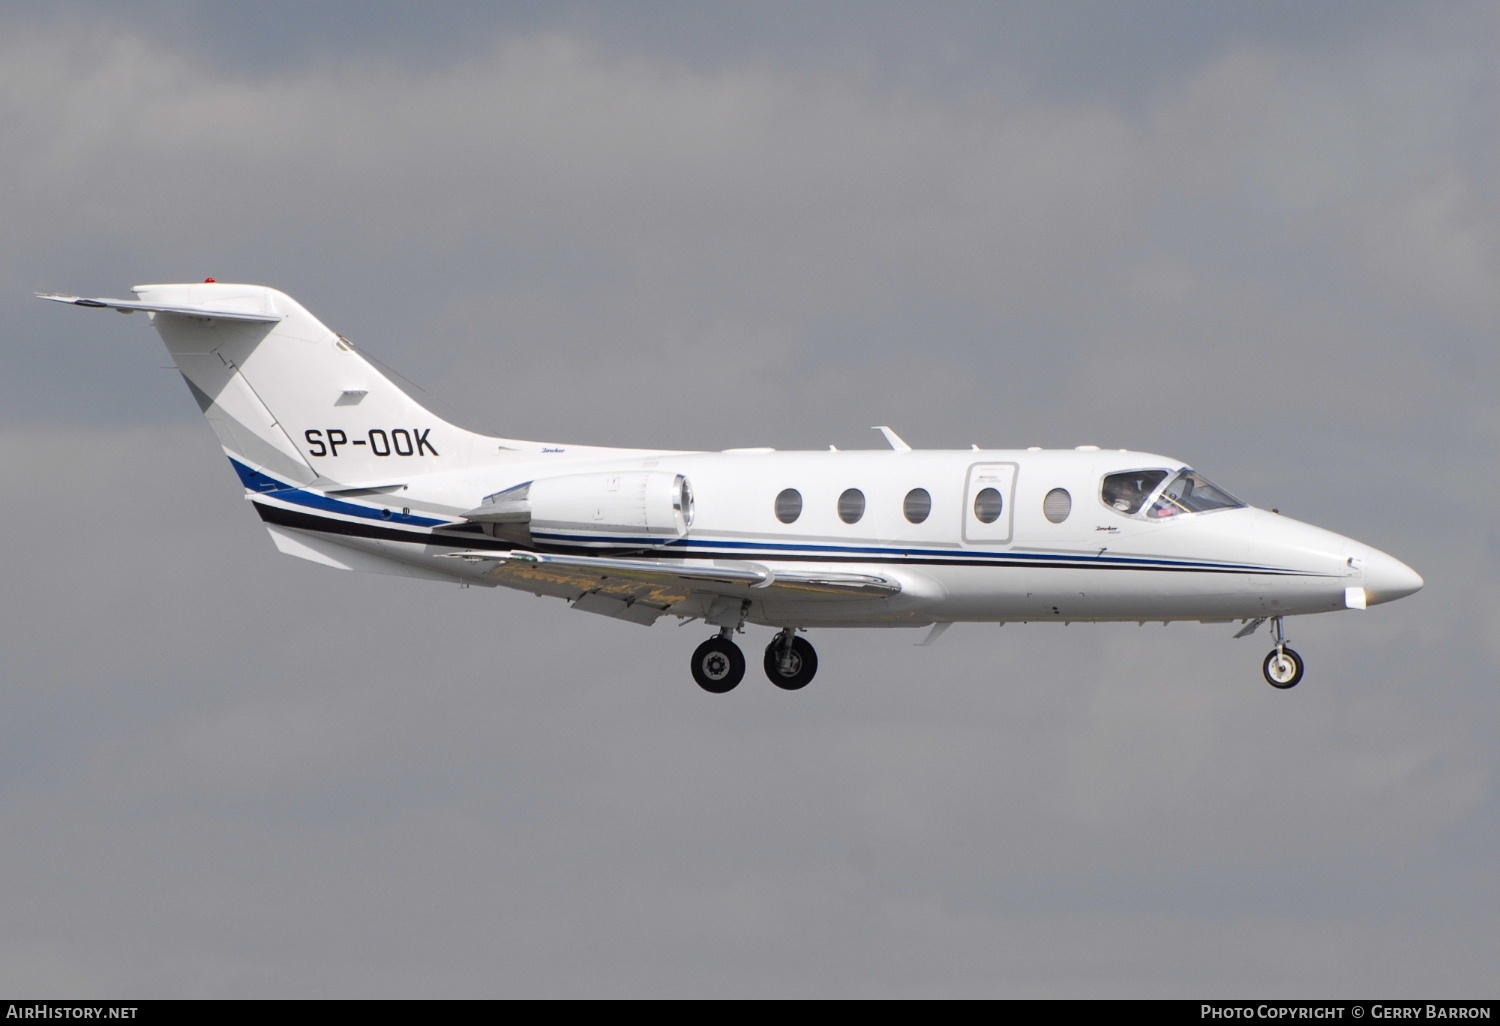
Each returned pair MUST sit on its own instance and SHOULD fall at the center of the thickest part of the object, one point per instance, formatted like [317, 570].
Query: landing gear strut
[1283, 667]
[790, 661]
[718, 664]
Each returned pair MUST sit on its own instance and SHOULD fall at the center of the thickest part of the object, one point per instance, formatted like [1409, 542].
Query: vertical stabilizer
[291, 401]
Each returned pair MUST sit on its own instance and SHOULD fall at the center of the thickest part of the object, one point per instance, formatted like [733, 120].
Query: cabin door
[987, 503]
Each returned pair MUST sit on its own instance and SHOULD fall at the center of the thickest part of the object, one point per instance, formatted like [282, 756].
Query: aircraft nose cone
[1387, 578]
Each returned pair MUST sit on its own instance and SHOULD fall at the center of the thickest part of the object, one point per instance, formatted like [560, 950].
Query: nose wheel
[1283, 666]
[790, 661]
[718, 665]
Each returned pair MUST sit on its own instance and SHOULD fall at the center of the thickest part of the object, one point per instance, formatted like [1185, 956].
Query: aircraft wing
[641, 590]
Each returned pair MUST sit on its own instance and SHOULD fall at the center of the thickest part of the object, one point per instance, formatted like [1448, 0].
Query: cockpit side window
[1129, 491]
[1191, 492]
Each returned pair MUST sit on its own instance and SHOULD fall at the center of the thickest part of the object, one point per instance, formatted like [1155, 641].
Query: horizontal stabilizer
[132, 305]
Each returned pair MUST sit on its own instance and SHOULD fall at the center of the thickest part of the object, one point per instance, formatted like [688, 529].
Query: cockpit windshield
[1191, 492]
[1188, 491]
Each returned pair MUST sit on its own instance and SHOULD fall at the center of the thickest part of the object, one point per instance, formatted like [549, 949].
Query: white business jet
[347, 470]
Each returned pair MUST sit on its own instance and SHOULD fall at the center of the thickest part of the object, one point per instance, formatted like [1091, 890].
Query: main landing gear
[790, 661]
[718, 664]
[1283, 667]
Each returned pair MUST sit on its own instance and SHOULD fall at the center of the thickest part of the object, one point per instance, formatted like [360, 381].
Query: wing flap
[637, 569]
[673, 577]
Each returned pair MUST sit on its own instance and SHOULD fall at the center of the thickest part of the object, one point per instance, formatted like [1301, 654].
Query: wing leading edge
[641, 590]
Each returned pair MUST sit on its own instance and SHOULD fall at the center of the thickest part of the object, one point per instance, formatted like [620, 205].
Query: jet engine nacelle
[648, 506]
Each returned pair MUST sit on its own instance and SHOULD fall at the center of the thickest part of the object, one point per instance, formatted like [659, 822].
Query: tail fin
[304, 416]
[292, 402]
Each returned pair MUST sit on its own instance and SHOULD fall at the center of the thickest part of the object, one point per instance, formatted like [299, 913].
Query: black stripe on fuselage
[460, 538]
[283, 517]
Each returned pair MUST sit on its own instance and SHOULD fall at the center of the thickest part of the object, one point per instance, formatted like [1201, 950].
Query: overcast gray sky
[1263, 238]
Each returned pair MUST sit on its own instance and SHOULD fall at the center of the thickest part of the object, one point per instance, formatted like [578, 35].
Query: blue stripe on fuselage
[254, 480]
[261, 483]
[750, 548]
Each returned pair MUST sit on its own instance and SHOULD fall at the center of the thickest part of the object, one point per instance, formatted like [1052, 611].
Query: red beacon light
[209, 281]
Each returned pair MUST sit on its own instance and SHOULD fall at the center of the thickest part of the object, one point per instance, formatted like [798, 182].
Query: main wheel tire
[718, 665]
[1283, 669]
[801, 664]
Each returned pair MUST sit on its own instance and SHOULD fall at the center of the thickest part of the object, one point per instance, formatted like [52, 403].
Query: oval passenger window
[987, 506]
[788, 505]
[918, 505]
[1057, 505]
[851, 505]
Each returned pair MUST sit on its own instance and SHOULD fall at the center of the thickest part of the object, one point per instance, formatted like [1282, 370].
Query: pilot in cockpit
[1126, 495]
[1127, 492]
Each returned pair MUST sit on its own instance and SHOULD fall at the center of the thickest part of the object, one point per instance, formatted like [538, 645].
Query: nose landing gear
[1283, 667]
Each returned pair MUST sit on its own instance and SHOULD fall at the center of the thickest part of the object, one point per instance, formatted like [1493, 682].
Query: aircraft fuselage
[348, 470]
[1093, 563]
